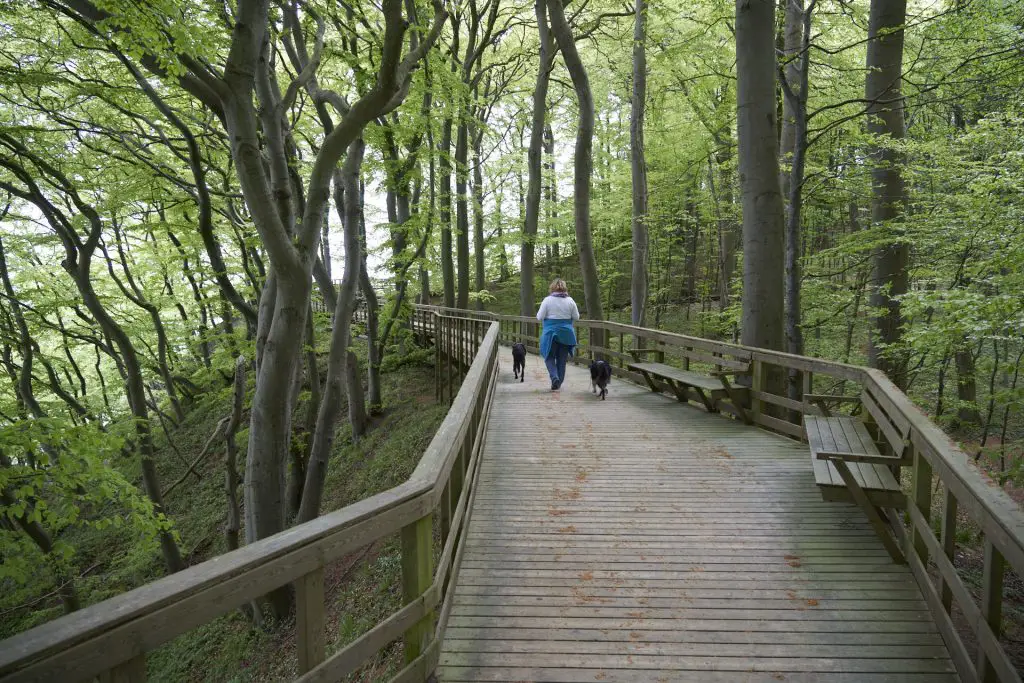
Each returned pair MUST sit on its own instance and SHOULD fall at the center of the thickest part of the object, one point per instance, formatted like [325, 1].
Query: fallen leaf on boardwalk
[587, 576]
[812, 602]
[571, 529]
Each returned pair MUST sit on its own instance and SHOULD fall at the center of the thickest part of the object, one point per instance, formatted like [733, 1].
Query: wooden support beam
[309, 619]
[417, 575]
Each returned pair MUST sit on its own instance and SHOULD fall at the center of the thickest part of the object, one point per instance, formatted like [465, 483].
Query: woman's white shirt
[559, 308]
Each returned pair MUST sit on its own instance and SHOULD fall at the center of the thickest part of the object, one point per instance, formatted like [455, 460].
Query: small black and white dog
[519, 361]
[600, 376]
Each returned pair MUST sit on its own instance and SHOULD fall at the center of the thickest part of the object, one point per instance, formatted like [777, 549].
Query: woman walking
[557, 312]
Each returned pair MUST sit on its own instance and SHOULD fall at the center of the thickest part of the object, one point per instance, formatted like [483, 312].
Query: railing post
[756, 387]
[948, 543]
[309, 619]
[991, 605]
[921, 496]
[132, 671]
[417, 575]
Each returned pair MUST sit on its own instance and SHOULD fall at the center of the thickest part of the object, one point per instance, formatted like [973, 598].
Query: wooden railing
[936, 465]
[111, 638]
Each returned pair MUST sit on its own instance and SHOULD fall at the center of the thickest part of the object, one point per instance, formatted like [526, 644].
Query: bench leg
[680, 391]
[650, 382]
[708, 403]
[870, 510]
[738, 405]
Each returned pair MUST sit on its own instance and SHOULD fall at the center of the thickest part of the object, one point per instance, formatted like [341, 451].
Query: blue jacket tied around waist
[560, 329]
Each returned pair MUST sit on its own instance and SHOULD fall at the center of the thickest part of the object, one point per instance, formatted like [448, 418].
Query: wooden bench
[849, 466]
[710, 388]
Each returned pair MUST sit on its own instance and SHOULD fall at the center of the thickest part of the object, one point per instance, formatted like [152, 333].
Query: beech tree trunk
[883, 91]
[445, 213]
[763, 224]
[638, 166]
[527, 303]
[478, 215]
[584, 164]
[334, 386]
[795, 89]
[462, 208]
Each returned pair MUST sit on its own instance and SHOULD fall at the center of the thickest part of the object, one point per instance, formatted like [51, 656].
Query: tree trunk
[478, 215]
[552, 193]
[445, 213]
[334, 387]
[535, 179]
[372, 319]
[231, 458]
[763, 225]
[462, 208]
[584, 164]
[638, 287]
[888, 197]
[967, 388]
[356, 401]
[795, 88]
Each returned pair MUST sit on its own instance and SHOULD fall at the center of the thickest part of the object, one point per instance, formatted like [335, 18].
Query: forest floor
[362, 589]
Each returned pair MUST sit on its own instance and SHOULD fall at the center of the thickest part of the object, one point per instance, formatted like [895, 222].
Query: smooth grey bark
[638, 167]
[763, 224]
[527, 304]
[967, 388]
[445, 213]
[231, 479]
[478, 214]
[373, 389]
[462, 208]
[551, 192]
[792, 39]
[583, 163]
[795, 84]
[334, 386]
[883, 90]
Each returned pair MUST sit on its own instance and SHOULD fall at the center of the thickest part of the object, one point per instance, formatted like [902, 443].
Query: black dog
[519, 361]
[600, 375]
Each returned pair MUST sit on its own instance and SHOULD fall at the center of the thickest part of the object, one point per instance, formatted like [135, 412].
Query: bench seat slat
[832, 434]
[693, 379]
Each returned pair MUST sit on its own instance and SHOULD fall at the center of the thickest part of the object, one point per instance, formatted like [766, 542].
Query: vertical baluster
[756, 386]
[921, 493]
[417, 575]
[948, 541]
[309, 619]
[991, 604]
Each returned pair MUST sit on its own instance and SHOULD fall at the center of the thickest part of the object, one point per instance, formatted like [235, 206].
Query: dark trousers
[555, 362]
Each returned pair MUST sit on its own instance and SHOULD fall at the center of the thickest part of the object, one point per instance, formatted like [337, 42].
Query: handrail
[113, 636]
[934, 457]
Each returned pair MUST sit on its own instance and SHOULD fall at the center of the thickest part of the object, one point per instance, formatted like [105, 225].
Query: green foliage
[61, 477]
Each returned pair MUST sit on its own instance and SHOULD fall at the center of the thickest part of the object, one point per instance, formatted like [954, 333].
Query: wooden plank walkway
[640, 540]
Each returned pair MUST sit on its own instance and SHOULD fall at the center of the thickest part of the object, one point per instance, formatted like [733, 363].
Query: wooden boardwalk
[640, 540]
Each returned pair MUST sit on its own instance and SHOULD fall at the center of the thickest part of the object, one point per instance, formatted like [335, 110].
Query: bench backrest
[702, 356]
[892, 425]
